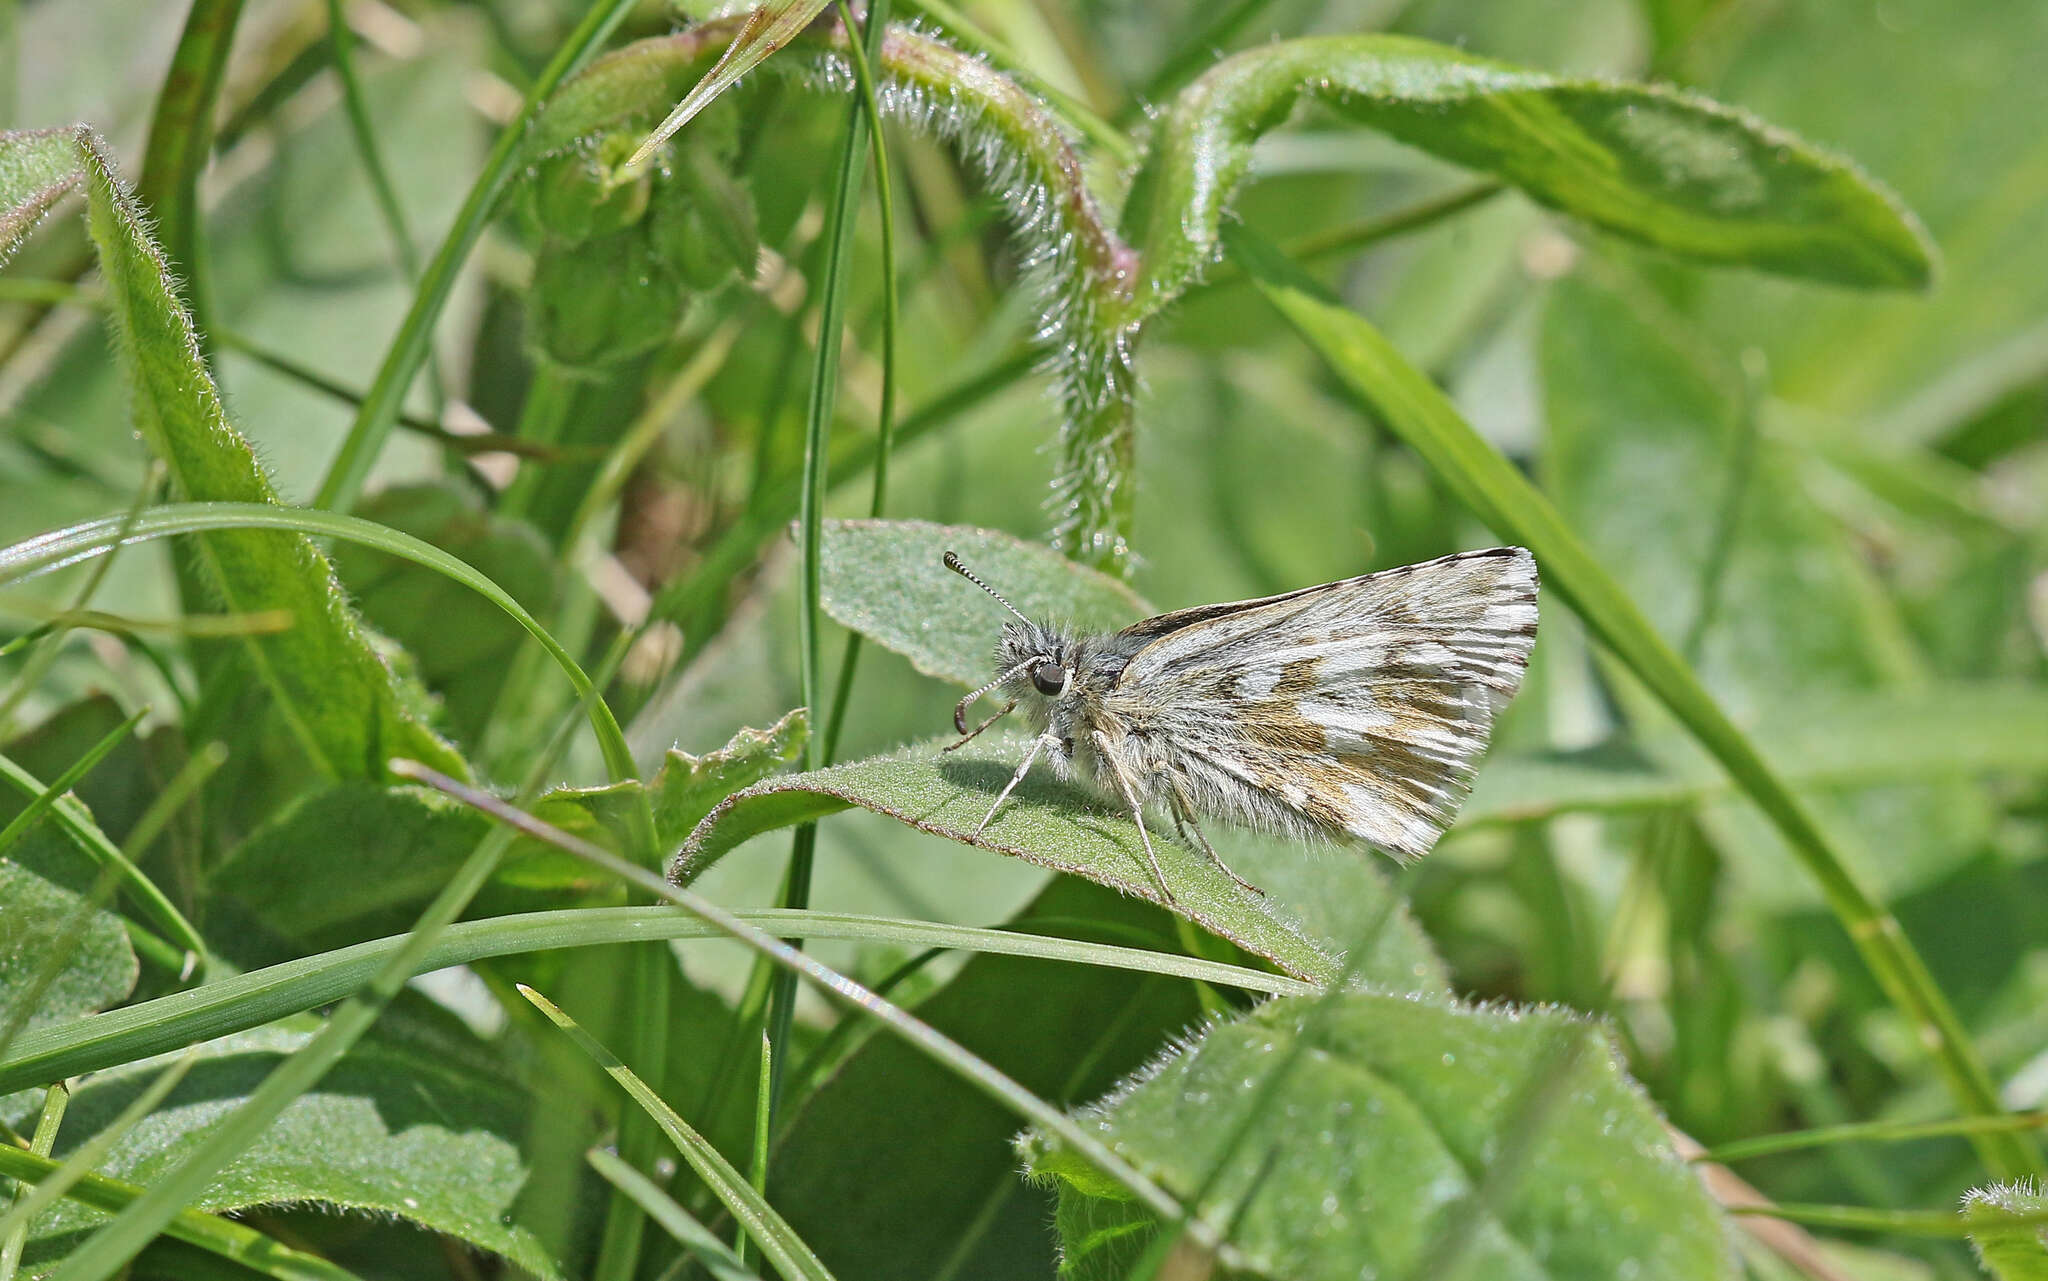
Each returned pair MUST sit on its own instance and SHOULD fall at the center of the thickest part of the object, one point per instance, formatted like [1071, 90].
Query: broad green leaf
[1413, 1137]
[1477, 475]
[347, 708]
[2009, 1252]
[43, 915]
[884, 579]
[1666, 167]
[1045, 822]
[462, 644]
[390, 1131]
[215, 1234]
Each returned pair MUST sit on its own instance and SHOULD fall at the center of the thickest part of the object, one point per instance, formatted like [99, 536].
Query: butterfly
[1354, 711]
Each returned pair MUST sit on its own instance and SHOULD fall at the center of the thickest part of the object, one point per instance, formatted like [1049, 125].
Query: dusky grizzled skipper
[1353, 711]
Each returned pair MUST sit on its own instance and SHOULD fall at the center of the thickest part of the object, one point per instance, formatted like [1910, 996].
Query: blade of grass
[1870, 1132]
[166, 803]
[14, 1224]
[243, 1001]
[1508, 503]
[840, 224]
[922, 1037]
[181, 141]
[74, 543]
[721, 1261]
[154, 904]
[408, 351]
[210, 1232]
[41, 801]
[779, 1243]
[1912, 1223]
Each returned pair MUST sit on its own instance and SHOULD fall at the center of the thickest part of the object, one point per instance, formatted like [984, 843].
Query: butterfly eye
[1048, 677]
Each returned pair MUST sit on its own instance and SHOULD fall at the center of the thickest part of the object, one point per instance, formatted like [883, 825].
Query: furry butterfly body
[1353, 711]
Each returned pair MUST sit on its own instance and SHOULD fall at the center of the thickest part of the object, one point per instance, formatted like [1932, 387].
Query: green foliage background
[1754, 359]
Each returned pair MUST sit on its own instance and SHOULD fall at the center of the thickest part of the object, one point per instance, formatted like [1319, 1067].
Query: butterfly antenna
[953, 563]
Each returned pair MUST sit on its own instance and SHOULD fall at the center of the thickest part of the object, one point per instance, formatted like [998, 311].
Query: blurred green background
[1814, 492]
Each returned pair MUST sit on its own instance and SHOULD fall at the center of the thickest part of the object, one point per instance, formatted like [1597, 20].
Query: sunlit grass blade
[779, 1243]
[1420, 414]
[1911, 1223]
[767, 29]
[74, 543]
[43, 798]
[257, 997]
[181, 139]
[1870, 1132]
[210, 1232]
[719, 1259]
[14, 1225]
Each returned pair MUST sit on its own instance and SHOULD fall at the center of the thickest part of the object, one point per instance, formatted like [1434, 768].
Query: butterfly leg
[1106, 752]
[1184, 823]
[1038, 745]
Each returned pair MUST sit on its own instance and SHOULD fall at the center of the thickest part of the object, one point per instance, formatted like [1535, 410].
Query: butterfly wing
[1358, 708]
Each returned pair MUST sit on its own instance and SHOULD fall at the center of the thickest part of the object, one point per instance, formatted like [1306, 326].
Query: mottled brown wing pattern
[1356, 709]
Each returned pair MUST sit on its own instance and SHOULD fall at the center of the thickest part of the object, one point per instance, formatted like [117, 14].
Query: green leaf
[1045, 822]
[389, 1131]
[43, 915]
[462, 644]
[1659, 165]
[1414, 1137]
[686, 787]
[884, 579]
[347, 708]
[2008, 1251]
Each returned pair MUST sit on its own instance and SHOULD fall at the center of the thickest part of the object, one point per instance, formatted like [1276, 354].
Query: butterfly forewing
[1358, 708]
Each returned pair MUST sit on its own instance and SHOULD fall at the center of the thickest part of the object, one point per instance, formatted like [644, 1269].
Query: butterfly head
[1034, 657]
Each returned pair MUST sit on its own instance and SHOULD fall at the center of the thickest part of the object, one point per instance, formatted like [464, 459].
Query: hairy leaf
[1409, 1137]
[347, 708]
[46, 920]
[1662, 166]
[1045, 822]
[884, 579]
[2008, 1251]
[390, 1131]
